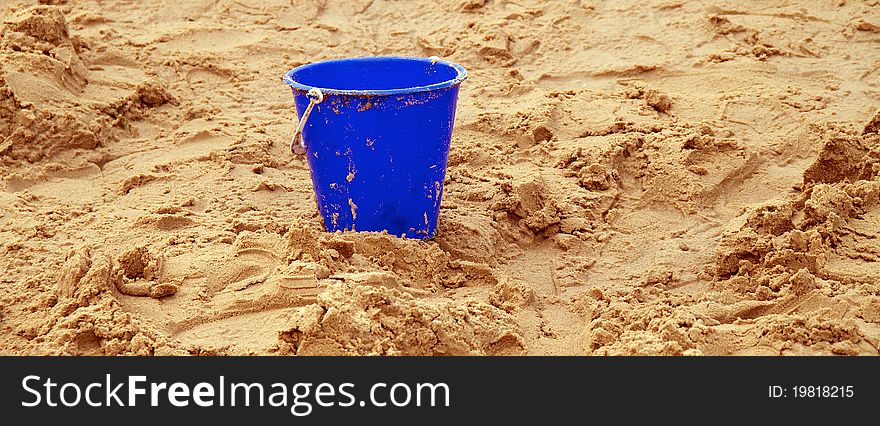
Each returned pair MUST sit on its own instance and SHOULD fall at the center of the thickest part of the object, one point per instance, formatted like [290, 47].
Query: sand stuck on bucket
[376, 133]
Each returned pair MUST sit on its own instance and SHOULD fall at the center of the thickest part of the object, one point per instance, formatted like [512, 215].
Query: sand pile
[374, 320]
[658, 177]
[46, 108]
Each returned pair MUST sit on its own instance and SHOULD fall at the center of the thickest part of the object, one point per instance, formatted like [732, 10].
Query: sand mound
[775, 287]
[39, 57]
[46, 103]
[373, 320]
[82, 316]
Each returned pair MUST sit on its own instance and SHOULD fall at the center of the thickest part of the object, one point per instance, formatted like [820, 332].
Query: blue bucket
[377, 139]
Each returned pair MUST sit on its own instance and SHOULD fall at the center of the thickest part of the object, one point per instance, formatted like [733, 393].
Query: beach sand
[625, 178]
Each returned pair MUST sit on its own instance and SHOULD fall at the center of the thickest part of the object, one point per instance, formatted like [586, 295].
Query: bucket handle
[298, 143]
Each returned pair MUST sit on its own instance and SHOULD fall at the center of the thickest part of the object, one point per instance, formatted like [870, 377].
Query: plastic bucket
[378, 142]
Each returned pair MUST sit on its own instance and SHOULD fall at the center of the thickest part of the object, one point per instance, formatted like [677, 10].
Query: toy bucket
[376, 132]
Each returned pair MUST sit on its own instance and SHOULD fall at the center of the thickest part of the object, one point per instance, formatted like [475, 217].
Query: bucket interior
[376, 74]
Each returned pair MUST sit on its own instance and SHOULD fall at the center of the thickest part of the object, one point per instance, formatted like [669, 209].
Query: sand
[628, 177]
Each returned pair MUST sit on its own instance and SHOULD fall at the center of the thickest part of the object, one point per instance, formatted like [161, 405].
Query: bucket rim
[461, 75]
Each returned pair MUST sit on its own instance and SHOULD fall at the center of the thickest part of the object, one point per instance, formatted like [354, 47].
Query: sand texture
[625, 178]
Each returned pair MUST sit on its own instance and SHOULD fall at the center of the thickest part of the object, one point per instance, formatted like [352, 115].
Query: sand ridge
[681, 178]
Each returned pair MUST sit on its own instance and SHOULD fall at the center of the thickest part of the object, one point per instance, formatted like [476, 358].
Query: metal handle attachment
[297, 143]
